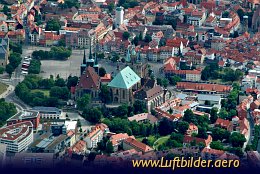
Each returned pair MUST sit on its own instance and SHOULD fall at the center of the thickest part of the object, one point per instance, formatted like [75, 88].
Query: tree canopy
[93, 115]
[53, 25]
[6, 111]
[237, 139]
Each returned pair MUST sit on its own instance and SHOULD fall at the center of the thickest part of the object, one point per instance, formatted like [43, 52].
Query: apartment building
[95, 136]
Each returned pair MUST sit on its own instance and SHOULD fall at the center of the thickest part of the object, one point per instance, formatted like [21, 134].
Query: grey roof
[46, 109]
[56, 142]
[45, 142]
[26, 114]
[209, 97]
[182, 96]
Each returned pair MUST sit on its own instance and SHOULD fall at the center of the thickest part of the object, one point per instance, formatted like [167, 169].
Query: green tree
[115, 58]
[7, 110]
[136, 41]
[126, 35]
[35, 67]
[105, 94]
[62, 43]
[202, 132]
[102, 72]
[122, 111]
[6, 10]
[9, 69]
[237, 151]
[147, 38]
[165, 127]
[159, 81]
[173, 143]
[237, 139]
[111, 7]
[59, 92]
[53, 25]
[46, 83]
[93, 115]
[220, 134]
[183, 127]
[213, 115]
[225, 14]
[72, 81]
[109, 147]
[139, 107]
[223, 113]
[60, 82]
[2, 69]
[83, 102]
[174, 79]
[17, 48]
[240, 13]
[177, 136]
[189, 117]
[101, 55]
[165, 82]
[216, 145]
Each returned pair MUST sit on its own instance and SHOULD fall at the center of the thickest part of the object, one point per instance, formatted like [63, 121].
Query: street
[251, 128]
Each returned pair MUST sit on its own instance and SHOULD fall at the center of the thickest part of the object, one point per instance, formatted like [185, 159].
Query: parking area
[85, 125]
[72, 65]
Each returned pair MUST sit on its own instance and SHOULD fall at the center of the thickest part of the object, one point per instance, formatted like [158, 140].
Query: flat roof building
[17, 137]
[48, 112]
[26, 115]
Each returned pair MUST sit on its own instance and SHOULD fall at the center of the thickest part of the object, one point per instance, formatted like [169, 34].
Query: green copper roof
[125, 79]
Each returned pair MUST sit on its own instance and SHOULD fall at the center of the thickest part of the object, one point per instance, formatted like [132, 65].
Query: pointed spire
[90, 53]
[139, 56]
[96, 61]
[128, 58]
[84, 58]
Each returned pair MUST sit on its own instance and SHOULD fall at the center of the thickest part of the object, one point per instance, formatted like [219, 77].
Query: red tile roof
[203, 87]
[223, 123]
[213, 151]
[138, 145]
[189, 139]
[89, 79]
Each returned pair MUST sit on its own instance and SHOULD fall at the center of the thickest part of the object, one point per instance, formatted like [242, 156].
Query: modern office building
[26, 115]
[17, 136]
[48, 112]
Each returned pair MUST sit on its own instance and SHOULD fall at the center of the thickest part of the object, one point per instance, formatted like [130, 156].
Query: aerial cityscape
[98, 83]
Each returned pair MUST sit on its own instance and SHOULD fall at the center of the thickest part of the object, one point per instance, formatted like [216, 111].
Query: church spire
[128, 58]
[84, 58]
[96, 61]
[90, 53]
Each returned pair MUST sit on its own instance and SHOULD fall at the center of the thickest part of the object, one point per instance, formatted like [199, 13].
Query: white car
[24, 69]
[24, 72]
[26, 62]
[27, 59]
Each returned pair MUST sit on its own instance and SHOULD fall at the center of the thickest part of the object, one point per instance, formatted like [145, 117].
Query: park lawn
[151, 138]
[3, 87]
[161, 140]
[44, 91]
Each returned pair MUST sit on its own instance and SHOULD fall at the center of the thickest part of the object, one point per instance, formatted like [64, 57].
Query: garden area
[3, 88]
